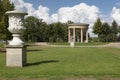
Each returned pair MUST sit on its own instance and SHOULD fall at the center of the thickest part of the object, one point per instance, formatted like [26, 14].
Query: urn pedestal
[72, 44]
[16, 50]
[16, 56]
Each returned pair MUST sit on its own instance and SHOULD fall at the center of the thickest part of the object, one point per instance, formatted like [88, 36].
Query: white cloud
[22, 6]
[54, 18]
[81, 13]
[42, 13]
[115, 14]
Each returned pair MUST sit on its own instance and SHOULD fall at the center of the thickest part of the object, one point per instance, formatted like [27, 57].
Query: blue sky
[105, 6]
[78, 11]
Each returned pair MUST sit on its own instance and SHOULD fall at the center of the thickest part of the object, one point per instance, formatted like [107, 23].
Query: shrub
[95, 39]
[111, 37]
[102, 38]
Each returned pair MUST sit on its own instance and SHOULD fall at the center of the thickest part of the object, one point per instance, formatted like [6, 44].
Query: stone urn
[16, 26]
[16, 50]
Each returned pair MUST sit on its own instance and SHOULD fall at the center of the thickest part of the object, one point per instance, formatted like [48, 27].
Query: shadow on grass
[31, 50]
[42, 62]
[2, 50]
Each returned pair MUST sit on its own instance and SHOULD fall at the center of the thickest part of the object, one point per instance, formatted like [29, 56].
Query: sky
[104, 5]
[78, 11]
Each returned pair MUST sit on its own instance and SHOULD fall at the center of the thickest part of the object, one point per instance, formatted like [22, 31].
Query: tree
[97, 27]
[102, 38]
[111, 37]
[105, 29]
[43, 32]
[5, 5]
[32, 29]
[36, 30]
[57, 32]
[106, 33]
[1, 10]
[114, 27]
[70, 22]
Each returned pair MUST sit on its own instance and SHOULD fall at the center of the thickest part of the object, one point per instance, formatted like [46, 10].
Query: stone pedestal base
[86, 41]
[72, 44]
[16, 55]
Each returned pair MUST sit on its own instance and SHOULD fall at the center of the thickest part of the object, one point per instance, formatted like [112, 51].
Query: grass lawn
[62, 63]
[2, 45]
[79, 44]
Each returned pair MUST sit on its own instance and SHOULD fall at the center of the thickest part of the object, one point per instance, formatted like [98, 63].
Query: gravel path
[114, 45]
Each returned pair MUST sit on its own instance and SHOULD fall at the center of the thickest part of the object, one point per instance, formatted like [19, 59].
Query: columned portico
[72, 32]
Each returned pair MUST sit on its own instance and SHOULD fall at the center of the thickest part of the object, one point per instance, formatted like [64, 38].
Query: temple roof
[78, 24]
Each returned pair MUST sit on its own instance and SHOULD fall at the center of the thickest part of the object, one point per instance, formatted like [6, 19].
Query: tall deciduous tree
[57, 32]
[36, 30]
[32, 29]
[43, 31]
[5, 5]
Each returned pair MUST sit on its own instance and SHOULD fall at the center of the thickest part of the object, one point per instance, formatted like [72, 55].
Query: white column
[81, 35]
[74, 35]
[69, 35]
[86, 37]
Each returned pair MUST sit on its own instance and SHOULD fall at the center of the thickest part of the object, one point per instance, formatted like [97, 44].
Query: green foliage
[95, 39]
[5, 5]
[39, 31]
[111, 37]
[105, 29]
[2, 45]
[43, 36]
[102, 38]
[106, 33]
[97, 27]
[35, 29]
[57, 32]
[114, 27]
[70, 22]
